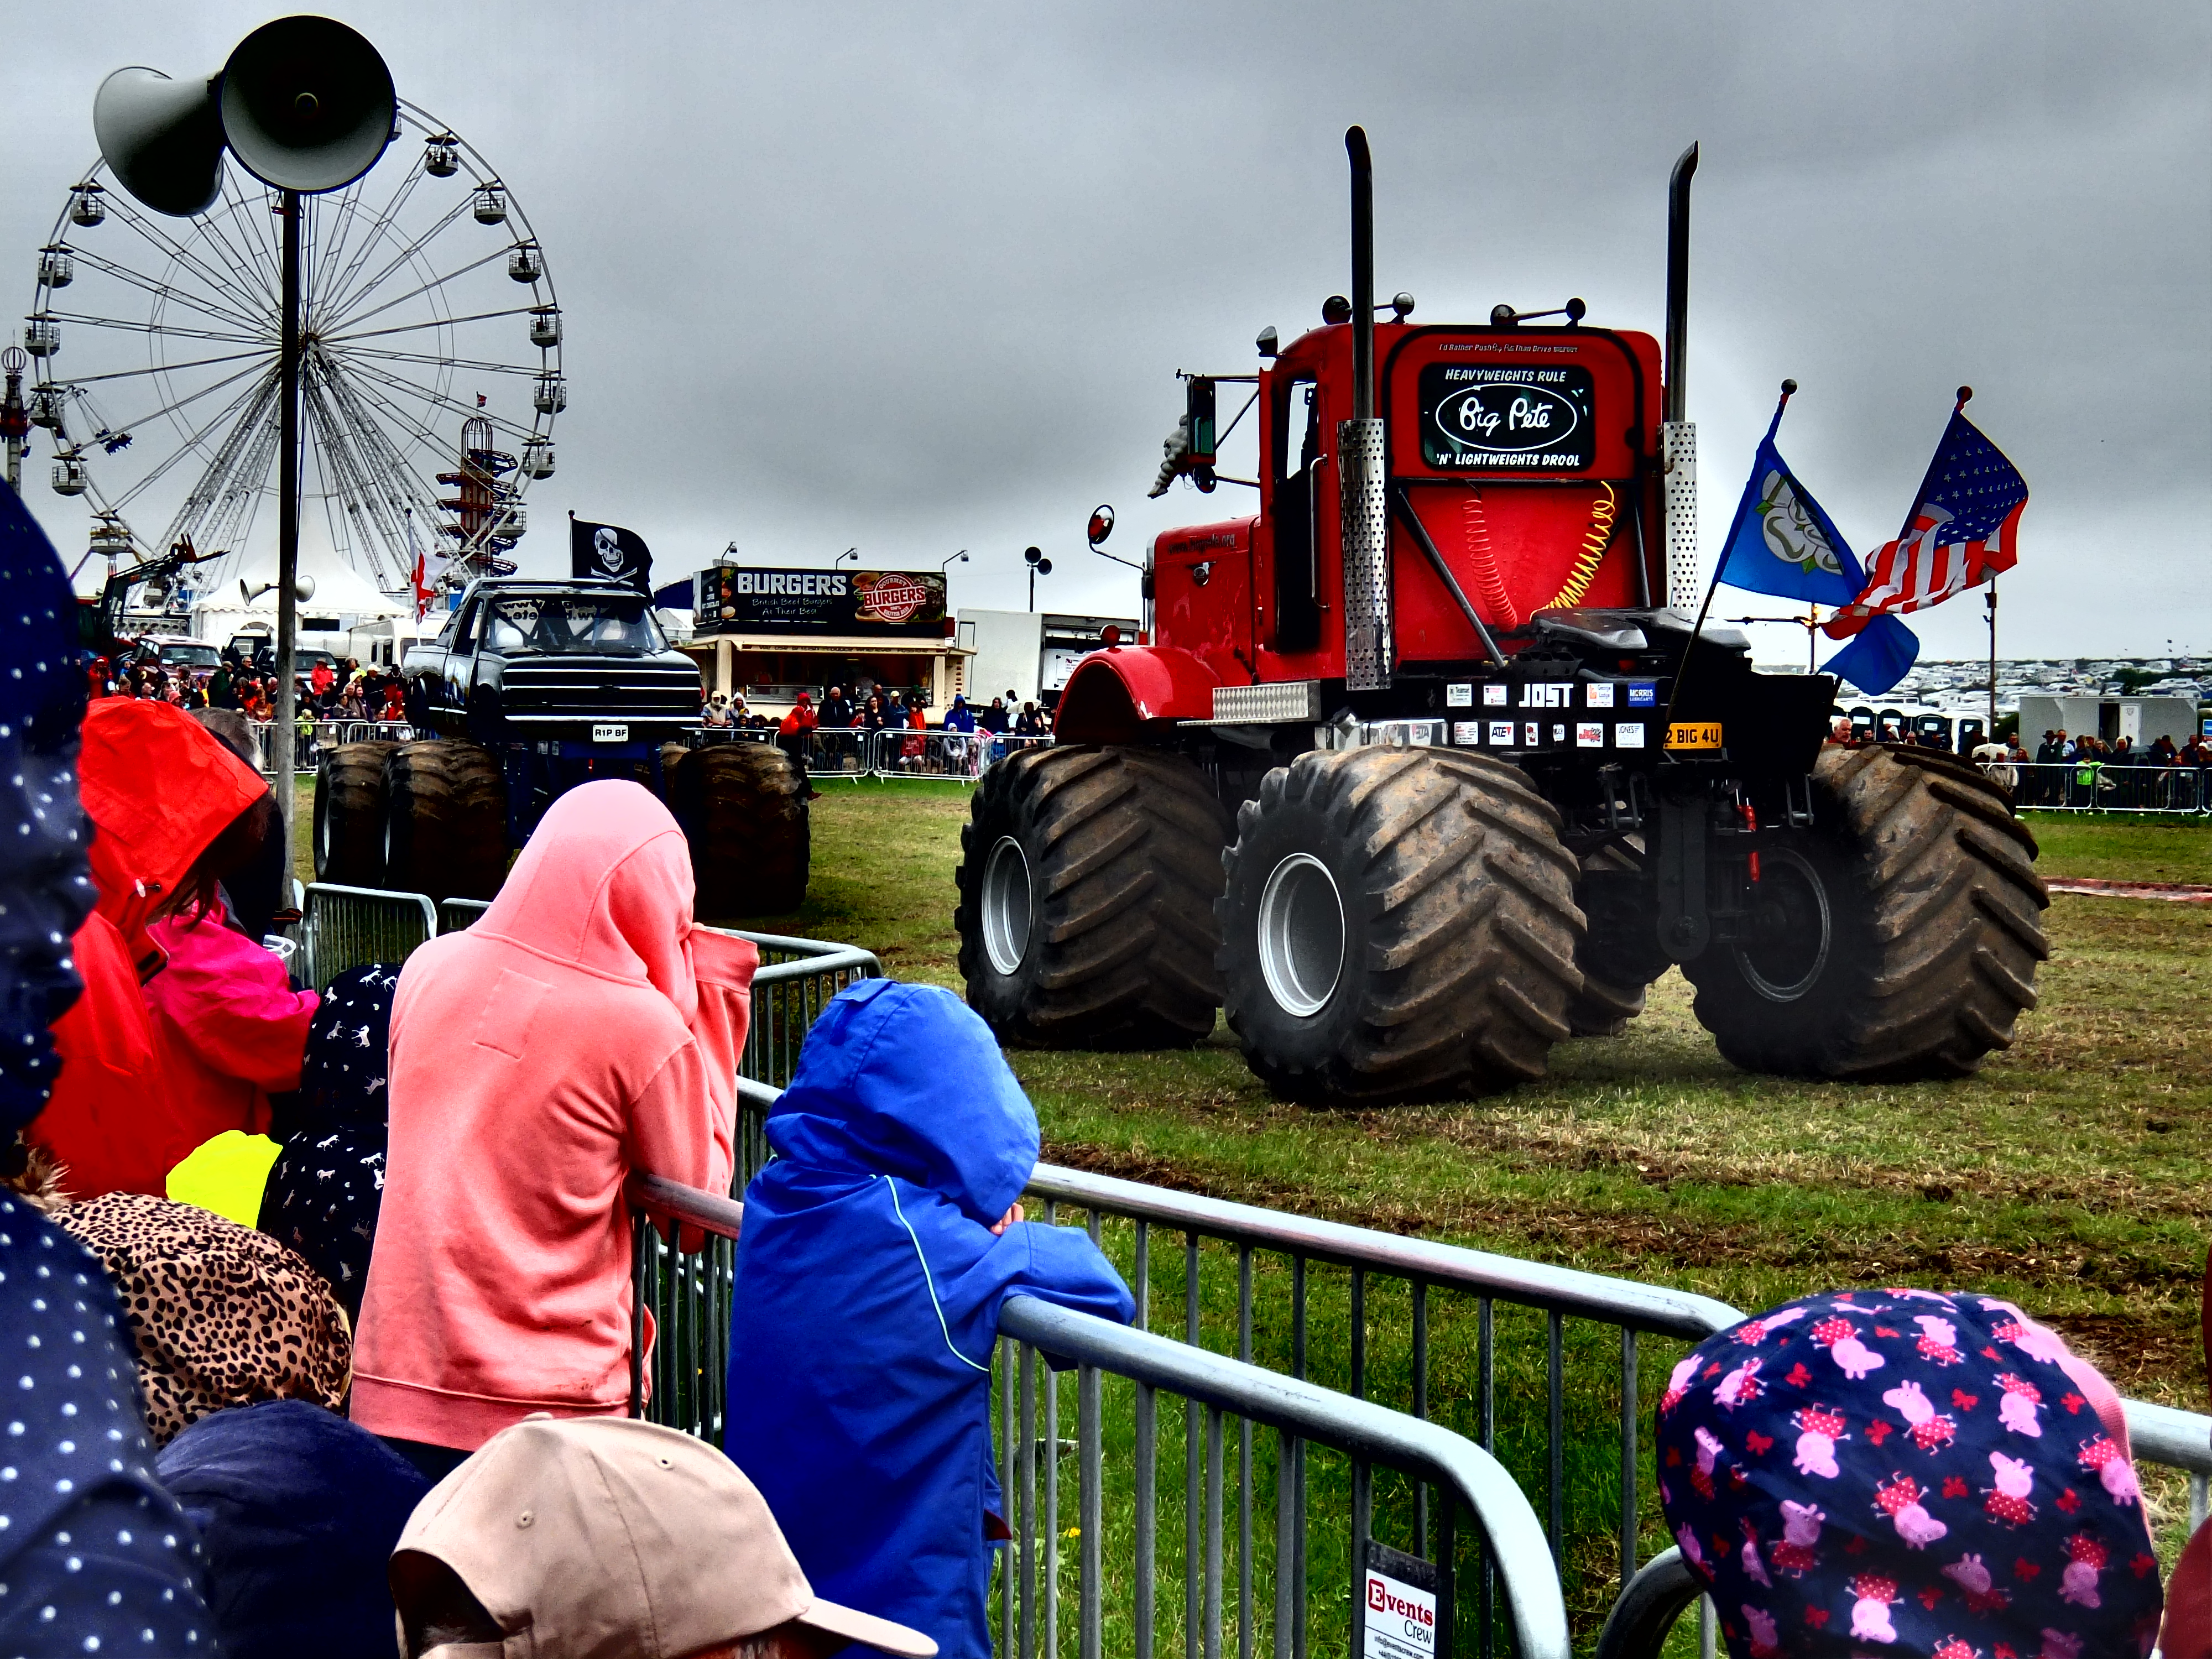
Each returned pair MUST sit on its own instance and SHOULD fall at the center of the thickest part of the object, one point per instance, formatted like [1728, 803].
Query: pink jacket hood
[604, 885]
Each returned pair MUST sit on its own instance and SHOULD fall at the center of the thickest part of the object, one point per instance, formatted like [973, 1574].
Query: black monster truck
[531, 688]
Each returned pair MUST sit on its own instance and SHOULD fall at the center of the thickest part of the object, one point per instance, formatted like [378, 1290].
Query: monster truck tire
[743, 806]
[1620, 955]
[1397, 924]
[1087, 881]
[444, 820]
[1933, 929]
[348, 830]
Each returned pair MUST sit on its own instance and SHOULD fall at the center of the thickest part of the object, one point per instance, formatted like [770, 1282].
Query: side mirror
[1199, 411]
[1102, 526]
[1269, 342]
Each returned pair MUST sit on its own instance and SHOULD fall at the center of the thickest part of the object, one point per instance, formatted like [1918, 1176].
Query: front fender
[1117, 695]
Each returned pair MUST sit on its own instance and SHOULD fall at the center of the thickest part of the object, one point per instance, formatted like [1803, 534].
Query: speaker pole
[288, 522]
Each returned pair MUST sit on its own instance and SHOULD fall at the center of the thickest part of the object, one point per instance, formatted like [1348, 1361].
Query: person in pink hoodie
[581, 1031]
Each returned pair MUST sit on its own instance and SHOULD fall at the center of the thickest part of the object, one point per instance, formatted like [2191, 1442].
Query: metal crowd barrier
[2066, 786]
[964, 755]
[1272, 1582]
[311, 740]
[343, 927]
[1352, 1309]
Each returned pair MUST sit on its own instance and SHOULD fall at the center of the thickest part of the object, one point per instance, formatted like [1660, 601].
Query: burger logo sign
[891, 597]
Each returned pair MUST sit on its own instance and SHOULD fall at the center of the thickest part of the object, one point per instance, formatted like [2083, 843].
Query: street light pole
[288, 517]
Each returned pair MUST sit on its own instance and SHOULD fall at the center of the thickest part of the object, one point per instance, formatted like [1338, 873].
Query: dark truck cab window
[1297, 597]
[573, 625]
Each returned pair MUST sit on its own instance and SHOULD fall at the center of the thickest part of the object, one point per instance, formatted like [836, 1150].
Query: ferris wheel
[430, 372]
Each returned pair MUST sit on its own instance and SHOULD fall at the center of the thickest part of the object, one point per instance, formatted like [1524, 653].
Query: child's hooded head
[907, 1080]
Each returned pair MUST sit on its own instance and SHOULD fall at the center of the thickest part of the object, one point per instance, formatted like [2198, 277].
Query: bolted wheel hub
[1796, 924]
[1301, 934]
[1005, 905]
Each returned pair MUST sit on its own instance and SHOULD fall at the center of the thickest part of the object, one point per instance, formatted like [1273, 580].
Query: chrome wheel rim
[1301, 935]
[1006, 905]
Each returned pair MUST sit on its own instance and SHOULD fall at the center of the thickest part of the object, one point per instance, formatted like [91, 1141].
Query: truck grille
[599, 691]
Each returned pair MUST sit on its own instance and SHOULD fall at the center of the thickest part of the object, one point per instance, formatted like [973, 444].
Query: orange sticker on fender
[1694, 734]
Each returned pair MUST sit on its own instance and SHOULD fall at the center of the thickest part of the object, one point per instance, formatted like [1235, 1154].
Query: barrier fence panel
[1552, 1370]
[964, 755]
[1255, 1583]
[343, 927]
[837, 751]
[2068, 786]
[310, 741]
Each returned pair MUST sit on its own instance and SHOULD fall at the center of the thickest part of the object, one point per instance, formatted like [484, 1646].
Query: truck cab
[576, 660]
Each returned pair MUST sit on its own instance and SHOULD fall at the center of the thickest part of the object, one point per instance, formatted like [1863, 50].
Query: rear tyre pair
[416, 818]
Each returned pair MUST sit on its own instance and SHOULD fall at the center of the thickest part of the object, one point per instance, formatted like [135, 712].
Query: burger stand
[770, 634]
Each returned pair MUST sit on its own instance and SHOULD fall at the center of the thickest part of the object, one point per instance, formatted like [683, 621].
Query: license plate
[1694, 734]
[606, 733]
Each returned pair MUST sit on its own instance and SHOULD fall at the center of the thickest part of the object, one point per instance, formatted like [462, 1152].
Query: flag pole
[1667, 725]
[1990, 599]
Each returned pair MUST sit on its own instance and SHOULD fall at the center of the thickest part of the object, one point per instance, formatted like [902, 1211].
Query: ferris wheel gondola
[430, 355]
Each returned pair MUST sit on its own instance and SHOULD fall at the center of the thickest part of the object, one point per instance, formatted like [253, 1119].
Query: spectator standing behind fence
[878, 1247]
[1030, 723]
[1921, 1475]
[583, 1028]
[154, 1072]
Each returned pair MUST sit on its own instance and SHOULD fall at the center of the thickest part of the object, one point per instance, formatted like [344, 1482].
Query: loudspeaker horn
[303, 588]
[307, 104]
[161, 138]
[304, 103]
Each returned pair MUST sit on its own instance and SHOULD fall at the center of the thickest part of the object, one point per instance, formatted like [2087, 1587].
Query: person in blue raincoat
[879, 1246]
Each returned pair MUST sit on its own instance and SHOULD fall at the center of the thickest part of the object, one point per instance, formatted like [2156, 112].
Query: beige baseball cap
[606, 1538]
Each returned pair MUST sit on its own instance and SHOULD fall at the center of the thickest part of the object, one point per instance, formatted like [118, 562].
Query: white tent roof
[340, 591]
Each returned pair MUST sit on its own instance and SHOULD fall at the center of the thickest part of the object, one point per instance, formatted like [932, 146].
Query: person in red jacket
[795, 735]
[582, 1030]
[150, 1074]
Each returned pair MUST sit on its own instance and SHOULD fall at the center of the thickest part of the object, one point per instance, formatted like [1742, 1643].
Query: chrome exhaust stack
[1370, 649]
[1678, 435]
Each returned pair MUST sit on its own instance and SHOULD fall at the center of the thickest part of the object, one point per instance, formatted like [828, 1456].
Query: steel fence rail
[1513, 1550]
[310, 739]
[2095, 787]
[1303, 1415]
[343, 927]
[2175, 1439]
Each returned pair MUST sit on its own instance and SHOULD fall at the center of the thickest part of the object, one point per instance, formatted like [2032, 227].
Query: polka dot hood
[1908, 1474]
[95, 1556]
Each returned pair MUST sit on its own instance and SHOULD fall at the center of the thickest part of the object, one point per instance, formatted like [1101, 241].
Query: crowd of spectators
[375, 1401]
[328, 689]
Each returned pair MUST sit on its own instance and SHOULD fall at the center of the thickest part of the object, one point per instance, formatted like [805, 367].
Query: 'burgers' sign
[747, 599]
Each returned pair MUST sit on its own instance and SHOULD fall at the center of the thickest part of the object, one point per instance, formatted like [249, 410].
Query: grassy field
[2073, 1174]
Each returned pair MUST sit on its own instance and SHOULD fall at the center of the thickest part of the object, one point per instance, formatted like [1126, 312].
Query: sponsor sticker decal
[1459, 696]
[1501, 733]
[1644, 696]
[1494, 694]
[1589, 734]
[1467, 732]
[1532, 735]
[1598, 695]
[1629, 734]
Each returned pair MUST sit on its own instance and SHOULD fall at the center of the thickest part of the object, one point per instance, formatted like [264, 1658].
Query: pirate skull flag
[607, 549]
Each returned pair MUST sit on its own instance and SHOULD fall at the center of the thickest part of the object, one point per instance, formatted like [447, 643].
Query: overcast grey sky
[919, 278]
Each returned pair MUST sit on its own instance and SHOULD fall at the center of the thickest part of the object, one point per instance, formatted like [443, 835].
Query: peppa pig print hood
[1923, 1475]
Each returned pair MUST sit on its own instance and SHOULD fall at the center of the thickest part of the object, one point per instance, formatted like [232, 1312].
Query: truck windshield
[190, 656]
[554, 624]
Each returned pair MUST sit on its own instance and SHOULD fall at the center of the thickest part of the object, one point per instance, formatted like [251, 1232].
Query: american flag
[1963, 530]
